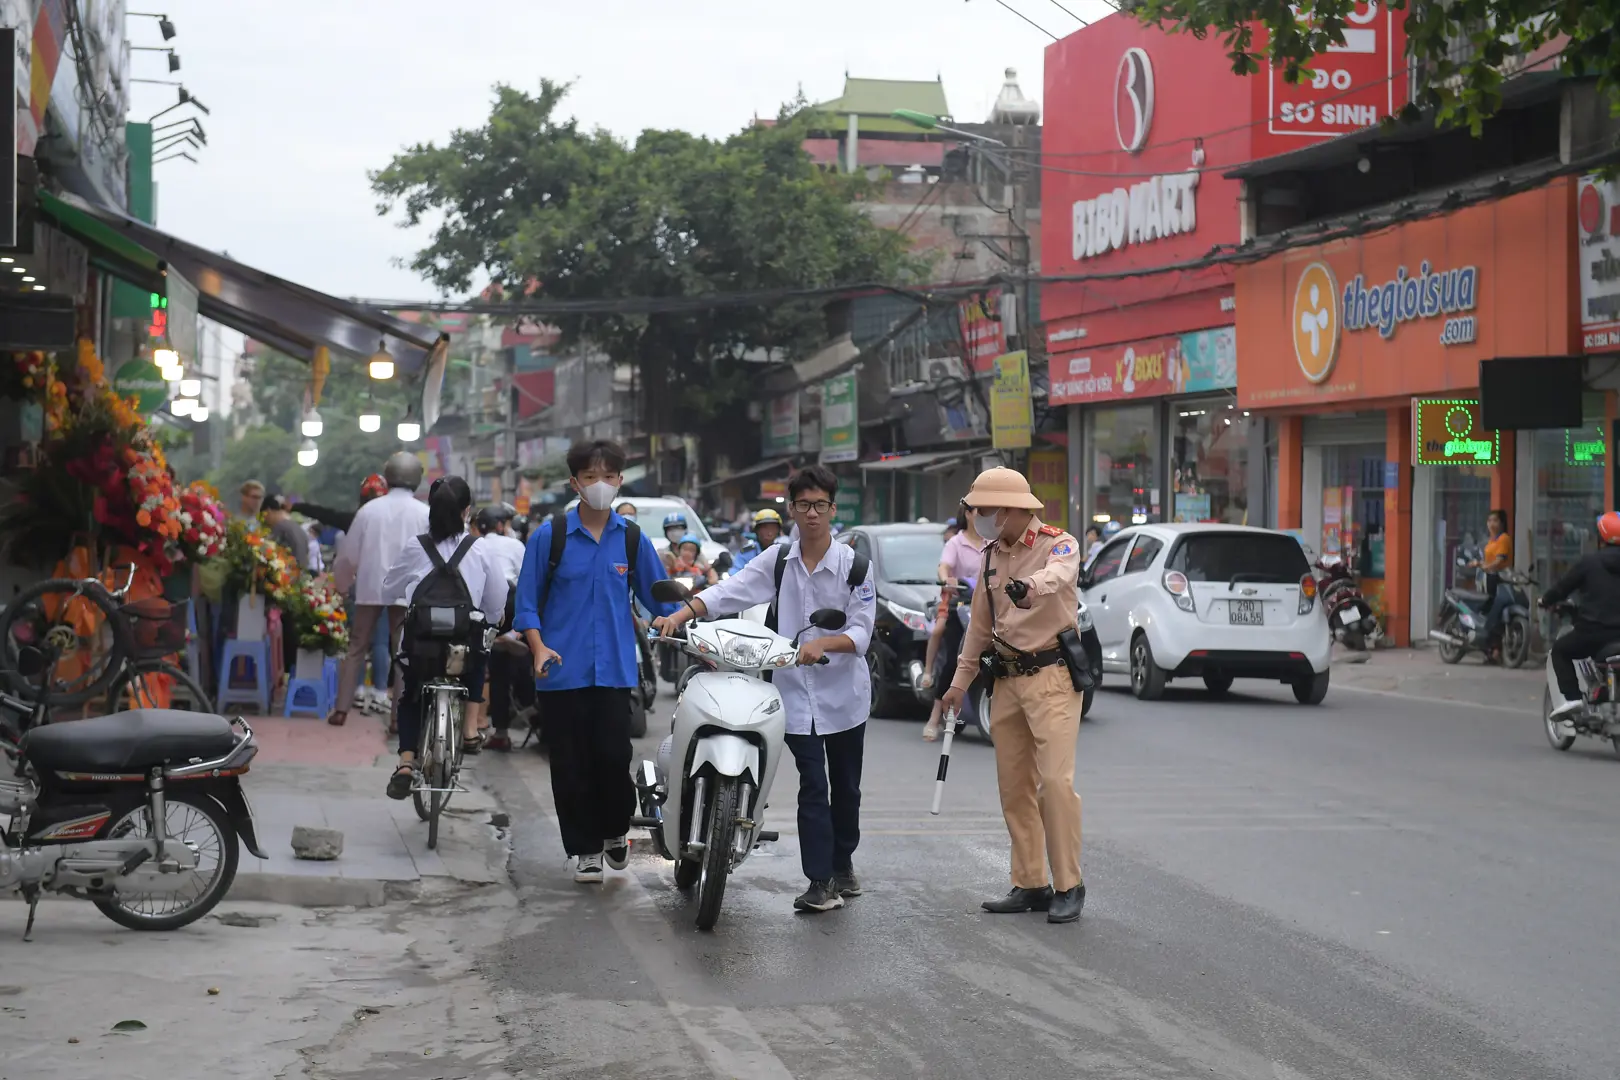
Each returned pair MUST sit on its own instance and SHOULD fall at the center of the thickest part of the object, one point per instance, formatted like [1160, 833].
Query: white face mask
[600, 495]
[986, 525]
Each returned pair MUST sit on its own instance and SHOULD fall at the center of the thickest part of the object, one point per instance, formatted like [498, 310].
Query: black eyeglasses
[820, 506]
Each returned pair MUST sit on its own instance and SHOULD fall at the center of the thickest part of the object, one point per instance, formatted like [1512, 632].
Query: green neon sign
[1448, 433]
[1585, 446]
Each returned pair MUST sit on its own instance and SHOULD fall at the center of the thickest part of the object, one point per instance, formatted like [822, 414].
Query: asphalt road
[1377, 887]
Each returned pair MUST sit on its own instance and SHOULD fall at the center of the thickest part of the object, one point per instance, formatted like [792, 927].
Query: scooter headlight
[742, 651]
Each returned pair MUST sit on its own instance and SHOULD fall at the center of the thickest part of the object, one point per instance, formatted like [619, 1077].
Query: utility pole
[509, 452]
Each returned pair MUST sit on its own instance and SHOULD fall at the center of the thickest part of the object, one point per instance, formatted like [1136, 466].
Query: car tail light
[1307, 594]
[1175, 583]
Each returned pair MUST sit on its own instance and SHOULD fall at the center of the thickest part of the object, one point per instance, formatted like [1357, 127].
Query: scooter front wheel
[718, 841]
[1515, 643]
[1560, 733]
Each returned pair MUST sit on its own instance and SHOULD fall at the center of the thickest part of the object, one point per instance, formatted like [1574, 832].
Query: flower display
[257, 564]
[318, 617]
[202, 523]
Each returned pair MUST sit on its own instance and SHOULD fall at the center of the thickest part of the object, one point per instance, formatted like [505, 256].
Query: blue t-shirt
[588, 615]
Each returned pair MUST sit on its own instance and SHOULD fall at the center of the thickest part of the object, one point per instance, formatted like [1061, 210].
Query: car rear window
[1268, 558]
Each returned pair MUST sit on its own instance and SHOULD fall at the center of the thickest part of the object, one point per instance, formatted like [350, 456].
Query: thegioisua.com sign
[1429, 295]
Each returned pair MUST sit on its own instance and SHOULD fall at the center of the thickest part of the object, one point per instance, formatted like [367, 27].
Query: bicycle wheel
[421, 798]
[131, 690]
[78, 626]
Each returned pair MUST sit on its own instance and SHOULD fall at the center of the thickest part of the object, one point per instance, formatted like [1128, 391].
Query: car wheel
[981, 706]
[1311, 691]
[874, 672]
[1147, 677]
[1218, 684]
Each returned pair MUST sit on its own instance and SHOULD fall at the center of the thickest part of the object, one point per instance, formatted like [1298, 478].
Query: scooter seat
[1471, 598]
[129, 742]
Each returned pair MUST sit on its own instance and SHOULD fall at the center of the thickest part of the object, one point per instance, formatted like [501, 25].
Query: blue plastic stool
[330, 670]
[311, 696]
[255, 653]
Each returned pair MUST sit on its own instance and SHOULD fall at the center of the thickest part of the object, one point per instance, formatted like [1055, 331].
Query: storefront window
[1462, 501]
[1353, 506]
[1211, 451]
[1569, 499]
[1125, 465]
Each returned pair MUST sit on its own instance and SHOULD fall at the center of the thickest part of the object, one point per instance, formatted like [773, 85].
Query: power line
[1069, 13]
[1029, 20]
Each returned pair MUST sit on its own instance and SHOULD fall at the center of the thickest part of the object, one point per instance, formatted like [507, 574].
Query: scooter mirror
[670, 592]
[722, 562]
[827, 618]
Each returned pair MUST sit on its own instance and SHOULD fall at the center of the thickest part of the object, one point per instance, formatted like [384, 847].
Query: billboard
[1193, 363]
[1597, 214]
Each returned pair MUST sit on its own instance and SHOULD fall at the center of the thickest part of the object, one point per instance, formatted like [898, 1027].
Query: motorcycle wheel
[192, 819]
[1555, 728]
[1450, 653]
[716, 866]
[1515, 643]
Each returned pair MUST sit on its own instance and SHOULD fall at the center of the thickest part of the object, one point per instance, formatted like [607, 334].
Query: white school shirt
[480, 568]
[509, 550]
[379, 532]
[817, 700]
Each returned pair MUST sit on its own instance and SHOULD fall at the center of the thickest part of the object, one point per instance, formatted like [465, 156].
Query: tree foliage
[1461, 47]
[534, 203]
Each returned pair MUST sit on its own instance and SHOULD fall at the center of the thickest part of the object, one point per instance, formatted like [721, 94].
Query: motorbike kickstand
[30, 894]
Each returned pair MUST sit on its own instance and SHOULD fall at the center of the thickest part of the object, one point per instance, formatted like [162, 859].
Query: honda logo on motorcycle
[1133, 100]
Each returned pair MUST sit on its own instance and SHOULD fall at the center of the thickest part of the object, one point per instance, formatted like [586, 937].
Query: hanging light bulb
[200, 413]
[165, 358]
[183, 406]
[409, 430]
[191, 388]
[382, 364]
[171, 372]
[370, 421]
[312, 425]
[308, 454]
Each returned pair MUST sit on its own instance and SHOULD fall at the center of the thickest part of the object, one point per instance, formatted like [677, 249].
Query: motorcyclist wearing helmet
[767, 531]
[689, 559]
[1597, 620]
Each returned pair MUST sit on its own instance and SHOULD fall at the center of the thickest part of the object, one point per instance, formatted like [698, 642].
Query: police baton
[953, 724]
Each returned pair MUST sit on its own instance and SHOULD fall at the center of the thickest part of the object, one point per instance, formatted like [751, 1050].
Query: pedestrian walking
[379, 532]
[1022, 625]
[825, 707]
[573, 606]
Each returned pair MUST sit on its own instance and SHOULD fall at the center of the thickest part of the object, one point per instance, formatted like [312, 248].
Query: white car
[1220, 602]
[650, 513]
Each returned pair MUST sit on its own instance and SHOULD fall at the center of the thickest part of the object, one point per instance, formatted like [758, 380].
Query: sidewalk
[309, 773]
[1419, 673]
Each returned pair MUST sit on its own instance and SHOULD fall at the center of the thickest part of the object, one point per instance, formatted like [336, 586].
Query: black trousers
[511, 674]
[829, 799]
[1579, 643]
[588, 732]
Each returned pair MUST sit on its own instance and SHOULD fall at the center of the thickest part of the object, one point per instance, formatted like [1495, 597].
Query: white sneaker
[588, 869]
[617, 853]
[362, 698]
[1564, 708]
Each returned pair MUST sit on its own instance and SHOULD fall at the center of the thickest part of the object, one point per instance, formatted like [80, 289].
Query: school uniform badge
[621, 568]
[865, 592]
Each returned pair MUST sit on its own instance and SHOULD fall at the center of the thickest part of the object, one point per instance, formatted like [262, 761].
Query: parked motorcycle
[1600, 690]
[138, 812]
[704, 799]
[1350, 617]
[1462, 618]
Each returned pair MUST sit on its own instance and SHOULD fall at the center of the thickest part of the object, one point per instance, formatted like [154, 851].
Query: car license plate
[1245, 613]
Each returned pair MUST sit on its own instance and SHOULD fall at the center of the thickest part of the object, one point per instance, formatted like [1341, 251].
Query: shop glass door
[1210, 444]
[1568, 502]
[1125, 464]
[1462, 501]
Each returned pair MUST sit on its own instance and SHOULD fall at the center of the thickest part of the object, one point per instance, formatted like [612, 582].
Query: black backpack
[857, 574]
[441, 608]
[559, 539]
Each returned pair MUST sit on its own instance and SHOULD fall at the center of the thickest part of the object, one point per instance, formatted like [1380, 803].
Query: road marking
[1432, 700]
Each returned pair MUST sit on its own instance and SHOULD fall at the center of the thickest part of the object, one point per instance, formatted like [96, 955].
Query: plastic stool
[311, 696]
[330, 670]
[258, 693]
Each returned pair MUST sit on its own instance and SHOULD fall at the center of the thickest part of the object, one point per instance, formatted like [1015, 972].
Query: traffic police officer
[1026, 598]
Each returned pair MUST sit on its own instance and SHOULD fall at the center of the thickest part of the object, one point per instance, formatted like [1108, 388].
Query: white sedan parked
[1218, 601]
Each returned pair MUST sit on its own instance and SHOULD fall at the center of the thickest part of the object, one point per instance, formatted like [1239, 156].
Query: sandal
[931, 730]
[473, 745]
[399, 785]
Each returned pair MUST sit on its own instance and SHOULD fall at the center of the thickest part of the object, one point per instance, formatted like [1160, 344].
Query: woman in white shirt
[449, 505]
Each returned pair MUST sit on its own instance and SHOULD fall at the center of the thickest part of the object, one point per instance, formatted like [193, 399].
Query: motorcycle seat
[129, 742]
[1470, 597]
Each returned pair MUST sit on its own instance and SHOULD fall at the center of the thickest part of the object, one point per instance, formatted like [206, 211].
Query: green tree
[532, 202]
[262, 454]
[279, 383]
[347, 456]
[1461, 46]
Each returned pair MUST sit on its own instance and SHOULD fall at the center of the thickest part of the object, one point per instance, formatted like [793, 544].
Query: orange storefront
[1343, 345]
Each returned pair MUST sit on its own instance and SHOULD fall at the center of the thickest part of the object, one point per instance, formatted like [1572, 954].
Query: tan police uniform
[1034, 718]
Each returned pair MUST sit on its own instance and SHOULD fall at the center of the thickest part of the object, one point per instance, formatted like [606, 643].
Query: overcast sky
[307, 95]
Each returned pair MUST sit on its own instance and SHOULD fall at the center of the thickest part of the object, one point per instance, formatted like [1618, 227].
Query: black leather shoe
[1066, 906]
[1020, 900]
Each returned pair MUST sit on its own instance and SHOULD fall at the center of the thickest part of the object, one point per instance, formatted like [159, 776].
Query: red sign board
[1350, 87]
[1142, 369]
[982, 331]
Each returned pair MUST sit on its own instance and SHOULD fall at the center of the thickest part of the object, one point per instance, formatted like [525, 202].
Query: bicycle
[105, 643]
[439, 746]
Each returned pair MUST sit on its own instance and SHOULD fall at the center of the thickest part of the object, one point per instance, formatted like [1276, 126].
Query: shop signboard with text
[1009, 402]
[781, 426]
[1159, 367]
[840, 431]
[1597, 214]
[982, 330]
[1411, 310]
[1447, 431]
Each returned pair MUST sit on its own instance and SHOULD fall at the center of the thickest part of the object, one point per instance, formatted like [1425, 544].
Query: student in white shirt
[449, 506]
[381, 529]
[826, 707]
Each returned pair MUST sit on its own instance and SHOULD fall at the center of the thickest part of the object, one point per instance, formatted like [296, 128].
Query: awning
[753, 470]
[284, 315]
[933, 461]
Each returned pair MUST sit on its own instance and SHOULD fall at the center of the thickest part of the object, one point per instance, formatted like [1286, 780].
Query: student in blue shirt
[582, 637]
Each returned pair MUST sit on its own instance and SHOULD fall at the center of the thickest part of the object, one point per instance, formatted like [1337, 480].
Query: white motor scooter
[704, 799]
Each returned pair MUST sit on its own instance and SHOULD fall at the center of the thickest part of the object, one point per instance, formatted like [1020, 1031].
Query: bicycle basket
[158, 627]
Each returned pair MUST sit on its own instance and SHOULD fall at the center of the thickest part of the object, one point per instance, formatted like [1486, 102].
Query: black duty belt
[1023, 663]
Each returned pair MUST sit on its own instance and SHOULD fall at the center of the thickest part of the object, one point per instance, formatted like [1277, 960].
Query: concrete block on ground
[317, 844]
